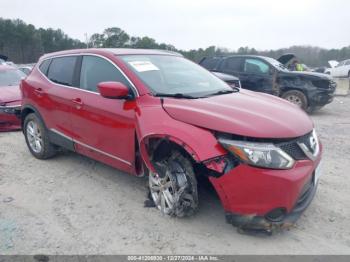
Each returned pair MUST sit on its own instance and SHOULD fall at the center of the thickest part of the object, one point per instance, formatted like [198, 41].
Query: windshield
[175, 76]
[276, 63]
[11, 77]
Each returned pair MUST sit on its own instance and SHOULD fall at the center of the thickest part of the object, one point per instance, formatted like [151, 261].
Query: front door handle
[78, 102]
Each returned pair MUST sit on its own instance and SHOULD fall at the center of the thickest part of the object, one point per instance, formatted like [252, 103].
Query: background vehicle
[3, 59]
[150, 112]
[25, 69]
[231, 80]
[10, 98]
[308, 90]
[341, 69]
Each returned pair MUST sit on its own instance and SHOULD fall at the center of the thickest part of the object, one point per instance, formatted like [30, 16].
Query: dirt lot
[73, 205]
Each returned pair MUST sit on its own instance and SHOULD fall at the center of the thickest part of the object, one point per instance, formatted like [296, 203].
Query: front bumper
[320, 98]
[10, 118]
[256, 224]
[250, 195]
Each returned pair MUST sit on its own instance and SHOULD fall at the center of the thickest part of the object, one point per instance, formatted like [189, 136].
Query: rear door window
[210, 63]
[95, 70]
[61, 70]
[233, 64]
[256, 66]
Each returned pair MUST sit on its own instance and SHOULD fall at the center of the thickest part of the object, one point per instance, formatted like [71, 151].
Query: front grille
[292, 148]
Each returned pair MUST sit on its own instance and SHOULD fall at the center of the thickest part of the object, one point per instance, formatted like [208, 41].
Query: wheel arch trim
[31, 108]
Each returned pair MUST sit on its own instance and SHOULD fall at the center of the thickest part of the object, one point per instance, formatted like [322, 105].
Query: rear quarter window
[61, 70]
[44, 66]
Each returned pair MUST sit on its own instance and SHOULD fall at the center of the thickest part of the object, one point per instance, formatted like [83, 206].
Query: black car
[229, 79]
[308, 90]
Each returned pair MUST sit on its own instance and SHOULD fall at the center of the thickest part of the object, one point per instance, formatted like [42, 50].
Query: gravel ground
[74, 205]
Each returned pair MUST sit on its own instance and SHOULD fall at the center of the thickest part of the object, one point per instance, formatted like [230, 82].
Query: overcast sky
[262, 24]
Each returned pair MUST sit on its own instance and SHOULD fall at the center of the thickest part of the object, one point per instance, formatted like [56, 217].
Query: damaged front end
[277, 219]
[10, 116]
[318, 88]
[261, 200]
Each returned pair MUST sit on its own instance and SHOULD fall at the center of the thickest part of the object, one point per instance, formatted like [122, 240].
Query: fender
[200, 143]
[30, 107]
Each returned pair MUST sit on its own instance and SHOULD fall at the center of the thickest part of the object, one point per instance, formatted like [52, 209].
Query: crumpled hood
[9, 94]
[310, 74]
[245, 113]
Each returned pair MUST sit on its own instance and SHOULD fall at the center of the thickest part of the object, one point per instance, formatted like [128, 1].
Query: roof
[114, 51]
[237, 55]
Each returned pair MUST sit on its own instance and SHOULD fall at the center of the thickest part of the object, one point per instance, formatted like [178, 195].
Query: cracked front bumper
[256, 224]
[250, 195]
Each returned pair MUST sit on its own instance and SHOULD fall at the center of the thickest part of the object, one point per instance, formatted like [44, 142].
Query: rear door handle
[39, 91]
[78, 102]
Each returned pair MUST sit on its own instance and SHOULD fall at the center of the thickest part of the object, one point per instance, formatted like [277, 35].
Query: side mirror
[113, 90]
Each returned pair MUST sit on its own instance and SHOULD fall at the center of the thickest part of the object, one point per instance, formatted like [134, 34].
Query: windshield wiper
[176, 95]
[223, 92]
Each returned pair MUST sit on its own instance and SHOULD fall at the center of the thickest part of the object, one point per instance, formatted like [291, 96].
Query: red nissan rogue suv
[155, 113]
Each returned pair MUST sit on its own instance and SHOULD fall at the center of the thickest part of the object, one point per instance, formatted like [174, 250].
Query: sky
[191, 24]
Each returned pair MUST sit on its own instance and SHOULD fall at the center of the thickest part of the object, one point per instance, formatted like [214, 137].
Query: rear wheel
[296, 97]
[174, 187]
[37, 137]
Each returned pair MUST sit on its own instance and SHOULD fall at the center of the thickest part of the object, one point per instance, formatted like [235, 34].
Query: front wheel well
[159, 148]
[26, 111]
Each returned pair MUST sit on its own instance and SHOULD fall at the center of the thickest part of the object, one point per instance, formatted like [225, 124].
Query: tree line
[24, 43]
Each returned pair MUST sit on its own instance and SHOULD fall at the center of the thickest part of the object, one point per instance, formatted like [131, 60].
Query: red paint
[111, 125]
[10, 96]
[113, 89]
[250, 190]
[245, 113]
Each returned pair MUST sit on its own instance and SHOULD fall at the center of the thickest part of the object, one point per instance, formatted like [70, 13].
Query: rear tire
[173, 188]
[296, 97]
[37, 138]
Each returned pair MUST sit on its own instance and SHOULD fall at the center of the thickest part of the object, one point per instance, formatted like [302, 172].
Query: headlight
[258, 154]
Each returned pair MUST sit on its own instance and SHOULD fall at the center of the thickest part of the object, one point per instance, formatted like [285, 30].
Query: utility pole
[86, 40]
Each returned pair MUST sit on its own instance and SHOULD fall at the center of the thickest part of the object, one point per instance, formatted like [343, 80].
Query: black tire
[296, 97]
[177, 170]
[47, 149]
[349, 74]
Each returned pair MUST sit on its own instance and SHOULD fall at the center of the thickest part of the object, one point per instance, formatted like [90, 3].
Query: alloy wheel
[166, 191]
[34, 136]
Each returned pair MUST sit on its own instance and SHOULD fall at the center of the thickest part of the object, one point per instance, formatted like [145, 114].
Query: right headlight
[264, 155]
